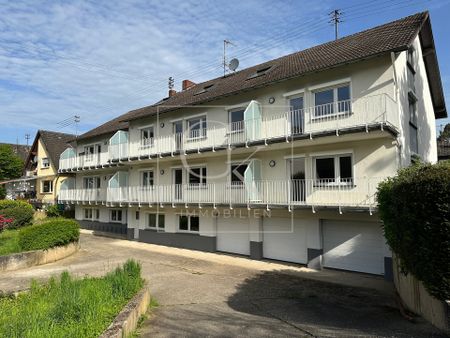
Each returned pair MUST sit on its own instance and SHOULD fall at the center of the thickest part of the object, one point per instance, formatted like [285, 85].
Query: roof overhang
[432, 68]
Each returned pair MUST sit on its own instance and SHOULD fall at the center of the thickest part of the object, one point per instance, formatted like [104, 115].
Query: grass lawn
[9, 242]
[67, 307]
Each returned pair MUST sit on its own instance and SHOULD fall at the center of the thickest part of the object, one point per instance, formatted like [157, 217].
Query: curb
[127, 319]
[26, 259]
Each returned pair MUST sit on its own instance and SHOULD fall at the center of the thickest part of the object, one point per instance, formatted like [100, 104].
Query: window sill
[188, 232]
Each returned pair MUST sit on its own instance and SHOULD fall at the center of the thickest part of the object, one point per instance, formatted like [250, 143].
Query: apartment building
[280, 160]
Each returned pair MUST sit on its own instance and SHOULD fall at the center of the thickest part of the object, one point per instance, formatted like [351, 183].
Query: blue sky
[100, 59]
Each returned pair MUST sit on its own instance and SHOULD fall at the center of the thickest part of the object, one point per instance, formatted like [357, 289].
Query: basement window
[156, 221]
[188, 223]
[259, 72]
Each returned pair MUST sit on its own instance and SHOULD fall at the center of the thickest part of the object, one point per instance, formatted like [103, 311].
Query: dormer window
[205, 89]
[259, 72]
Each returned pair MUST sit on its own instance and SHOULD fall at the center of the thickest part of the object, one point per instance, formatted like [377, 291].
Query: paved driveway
[203, 294]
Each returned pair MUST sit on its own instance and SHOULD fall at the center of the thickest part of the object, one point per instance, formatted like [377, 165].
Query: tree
[445, 133]
[11, 166]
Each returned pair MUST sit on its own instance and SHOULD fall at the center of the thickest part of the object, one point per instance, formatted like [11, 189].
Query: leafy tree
[11, 166]
[445, 133]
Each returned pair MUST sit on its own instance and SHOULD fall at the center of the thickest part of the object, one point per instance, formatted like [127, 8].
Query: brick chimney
[186, 84]
[172, 92]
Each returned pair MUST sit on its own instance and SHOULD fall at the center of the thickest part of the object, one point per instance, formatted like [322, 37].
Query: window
[147, 179]
[413, 134]
[197, 176]
[91, 214]
[333, 169]
[116, 215]
[236, 118]
[237, 173]
[259, 72]
[197, 127]
[156, 221]
[137, 215]
[147, 136]
[47, 187]
[331, 101]
[91, 182]
[189, 223]
[89, 152]
[45, 162]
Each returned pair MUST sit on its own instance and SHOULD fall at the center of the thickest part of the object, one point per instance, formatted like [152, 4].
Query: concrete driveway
[204, 294]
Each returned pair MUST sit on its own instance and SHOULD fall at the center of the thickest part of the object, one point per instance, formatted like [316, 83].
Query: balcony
[354, 193]
[367, 113]
[90, 196]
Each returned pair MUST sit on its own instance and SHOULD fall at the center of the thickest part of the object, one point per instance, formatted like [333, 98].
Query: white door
[355, 246]
[284, 239]
[233, 235]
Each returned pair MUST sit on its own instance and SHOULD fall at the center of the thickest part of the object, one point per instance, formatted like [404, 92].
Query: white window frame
[94, 214]
[237, 163]
[116, 220]
[188, 129]
[193, 185]
[158, 226]
[337, 174]
[148, 186]
[232, 110]
[88, 157]
[331, 86]
[152, 140]
[45, 163]
[189, 224]
[95, 179]
[51, 187]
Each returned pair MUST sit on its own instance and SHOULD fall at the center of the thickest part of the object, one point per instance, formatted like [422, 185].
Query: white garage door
[284, 240]
[355, 246]
[233, 235]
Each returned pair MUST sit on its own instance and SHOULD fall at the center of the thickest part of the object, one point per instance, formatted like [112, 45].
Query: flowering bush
[4, 222]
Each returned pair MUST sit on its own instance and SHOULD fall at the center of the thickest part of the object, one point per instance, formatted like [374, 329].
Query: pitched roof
[54, 142]
[391, 37]
[19, 149]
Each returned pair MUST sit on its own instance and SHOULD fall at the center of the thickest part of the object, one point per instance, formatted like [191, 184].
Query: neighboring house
[20, 150]
[42, 165]
[443, 150]
[280, 160]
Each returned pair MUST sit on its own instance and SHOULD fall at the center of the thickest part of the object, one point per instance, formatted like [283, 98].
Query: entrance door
[296, 115]
[178, 134]
[178, 183]
[296, 167]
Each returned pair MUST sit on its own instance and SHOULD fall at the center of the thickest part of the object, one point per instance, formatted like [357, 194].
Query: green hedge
[51, 233]
[415, 209]
[22, 212]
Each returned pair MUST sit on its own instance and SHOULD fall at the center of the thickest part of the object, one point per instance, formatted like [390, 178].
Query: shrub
[21, 212]
[53, 211]
[51, 233]
[4, 222]
[415, 209]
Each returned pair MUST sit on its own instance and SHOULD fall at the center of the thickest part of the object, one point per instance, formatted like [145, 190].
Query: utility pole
[76, 119]
[27, 137]
[335, 20]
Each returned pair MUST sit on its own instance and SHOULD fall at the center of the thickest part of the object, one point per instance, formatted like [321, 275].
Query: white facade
[260, 178]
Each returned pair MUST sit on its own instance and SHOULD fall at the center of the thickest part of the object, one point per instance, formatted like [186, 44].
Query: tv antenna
[234, 63]
[76, 120]
[27, 137]
[336, 19]
[171, 83]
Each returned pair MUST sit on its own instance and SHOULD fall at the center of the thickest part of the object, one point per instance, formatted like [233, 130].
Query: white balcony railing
[369, 111]
[82, 195]
[358, 192]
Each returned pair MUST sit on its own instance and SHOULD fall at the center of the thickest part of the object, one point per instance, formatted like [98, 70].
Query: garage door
[284, 240]
[233, 235]
[355, 246]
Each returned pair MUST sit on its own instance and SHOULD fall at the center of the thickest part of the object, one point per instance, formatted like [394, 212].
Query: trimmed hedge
[21, 212]
[51, 233]
[53, 211]
[415, 209]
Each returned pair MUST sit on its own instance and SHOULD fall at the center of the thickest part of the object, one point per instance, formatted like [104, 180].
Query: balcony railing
[366, 112]
[359, 192]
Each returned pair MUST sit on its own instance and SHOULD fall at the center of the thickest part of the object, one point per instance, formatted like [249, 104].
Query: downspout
[398, 141]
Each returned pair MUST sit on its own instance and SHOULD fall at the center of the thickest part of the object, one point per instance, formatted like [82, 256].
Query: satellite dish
[234, 63]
